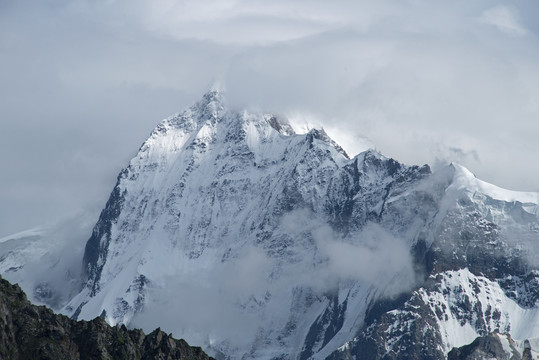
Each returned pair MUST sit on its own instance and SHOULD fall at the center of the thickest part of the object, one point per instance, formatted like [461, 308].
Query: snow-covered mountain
[236, 233]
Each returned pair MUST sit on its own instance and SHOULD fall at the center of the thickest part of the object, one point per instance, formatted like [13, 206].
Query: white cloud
[374, 257]
[238, 298]
[504, 19]
[83, 84]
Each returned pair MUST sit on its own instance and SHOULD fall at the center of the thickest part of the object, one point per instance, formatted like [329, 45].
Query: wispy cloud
[504, 19]
[235, 298]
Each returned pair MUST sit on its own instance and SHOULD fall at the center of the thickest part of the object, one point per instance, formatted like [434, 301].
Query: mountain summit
[236, 206]
[234, 232]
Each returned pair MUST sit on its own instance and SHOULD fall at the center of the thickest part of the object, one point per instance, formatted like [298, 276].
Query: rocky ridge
[35, 332]
[494, 346]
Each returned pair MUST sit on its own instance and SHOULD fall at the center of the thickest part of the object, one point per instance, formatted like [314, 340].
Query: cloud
[226, 303]
[47, 262]
[374, 257]
[447, 154]
[504, 19]
[229, 304]
[85, 82]
[371, 256]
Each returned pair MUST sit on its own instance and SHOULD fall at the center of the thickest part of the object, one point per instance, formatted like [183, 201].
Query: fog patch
[374, 256]
[235, 302]
[247, 275]
[47, 263]
[226, 302]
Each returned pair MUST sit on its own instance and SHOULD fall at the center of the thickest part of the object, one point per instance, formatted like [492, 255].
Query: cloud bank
[84, 82]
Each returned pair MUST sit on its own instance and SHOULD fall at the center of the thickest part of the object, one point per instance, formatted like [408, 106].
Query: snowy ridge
[453, 311]
[465, 180]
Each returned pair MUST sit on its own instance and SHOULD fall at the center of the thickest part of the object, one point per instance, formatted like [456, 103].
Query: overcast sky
[83, 83]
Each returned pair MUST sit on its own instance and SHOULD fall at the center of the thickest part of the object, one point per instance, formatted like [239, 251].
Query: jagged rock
[492, 346]
[35, 332]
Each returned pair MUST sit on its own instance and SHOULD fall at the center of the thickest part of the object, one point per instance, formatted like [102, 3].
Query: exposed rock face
[495, 347]
[35, 332]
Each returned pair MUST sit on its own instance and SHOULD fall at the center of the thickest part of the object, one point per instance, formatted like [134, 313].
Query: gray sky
[84, 82]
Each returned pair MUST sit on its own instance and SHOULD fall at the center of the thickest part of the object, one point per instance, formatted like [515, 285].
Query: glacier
[233, 231]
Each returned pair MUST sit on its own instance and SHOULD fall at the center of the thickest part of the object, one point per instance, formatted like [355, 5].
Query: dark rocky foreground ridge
[35, 332]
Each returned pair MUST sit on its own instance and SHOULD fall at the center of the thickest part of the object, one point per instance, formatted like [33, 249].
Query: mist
[236, 299]
[375, 257]
[47, 261]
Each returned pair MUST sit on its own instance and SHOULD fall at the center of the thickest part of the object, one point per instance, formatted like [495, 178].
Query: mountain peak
[212, 104]
[464, 179]
[321, 134]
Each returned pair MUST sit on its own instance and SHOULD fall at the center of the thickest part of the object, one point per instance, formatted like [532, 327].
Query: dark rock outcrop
[35, 332]
[490, 347]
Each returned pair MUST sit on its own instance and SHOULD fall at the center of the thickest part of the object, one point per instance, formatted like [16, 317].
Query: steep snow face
[230, 218]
